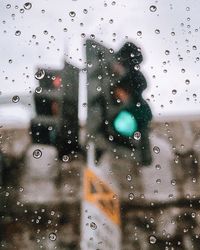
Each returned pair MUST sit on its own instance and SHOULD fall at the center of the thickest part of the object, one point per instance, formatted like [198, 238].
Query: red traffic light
[57, 81]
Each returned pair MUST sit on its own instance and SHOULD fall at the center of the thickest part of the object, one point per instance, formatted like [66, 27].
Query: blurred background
[43, 45]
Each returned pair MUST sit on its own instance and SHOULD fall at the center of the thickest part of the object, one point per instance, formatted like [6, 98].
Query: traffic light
[56, 104]
[116, 108]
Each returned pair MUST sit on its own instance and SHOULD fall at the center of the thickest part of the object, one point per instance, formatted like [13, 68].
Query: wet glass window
[99, 125]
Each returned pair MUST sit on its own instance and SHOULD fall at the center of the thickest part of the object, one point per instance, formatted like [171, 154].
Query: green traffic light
[125, 124]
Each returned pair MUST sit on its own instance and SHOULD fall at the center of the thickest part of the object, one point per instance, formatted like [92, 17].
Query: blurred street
[41, 197]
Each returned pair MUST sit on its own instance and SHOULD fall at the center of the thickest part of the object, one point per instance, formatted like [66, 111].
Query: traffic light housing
[116, 108]
[56, 104]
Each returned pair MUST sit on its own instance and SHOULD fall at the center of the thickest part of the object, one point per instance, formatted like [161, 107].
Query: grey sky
[114, 22]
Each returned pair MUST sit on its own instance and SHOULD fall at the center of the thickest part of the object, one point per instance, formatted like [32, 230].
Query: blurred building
[41, 200]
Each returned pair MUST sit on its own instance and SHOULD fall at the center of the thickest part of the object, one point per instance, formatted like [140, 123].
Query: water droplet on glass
[187, 81]
[38, 90]
[129, 177]
[65, 158]
[157, 31]
[40, 74]
[111, 51]
[137, 67]
[167, 52]
[194, 180]
[15, 99]
[193, 215]
[99, 77]
[98, 88]
[153, 8]
[72, 14]
[174, 91]
[137, 135]
[158, 167]
[85, 11]
[156, 150]
[158, 181]
[93, 226]
[173, 182]
[111, 138]
[152, 239]
[92, 36]
[8, 6]
[139, 33]
[37, 153]
[18, 33]
[52, 236]
[27, 6]
[131, 196]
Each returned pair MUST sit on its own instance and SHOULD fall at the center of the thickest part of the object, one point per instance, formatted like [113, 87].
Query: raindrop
[72, 14]
[65, 158]
[15, 99]
[153, 8]
[93, 226]
[152, 239]
[174, 91]
[158, 181]
[137, 67]
[99, 77]
[18, 33]
[84, 104]
[139, 33]
[158, 167]
[167, 52]
[173, 182]
[52, 236]
[111, 51]
[187, 81]
[137, 135]
[157, 31]
[111, 138]
[129, 177]
[10, 61]
[98, 88]
[38, 90]
[194, 180]
[182, 70]
[37, 153]
[85, 11]
[27, 6]
[131, 196]
[193, 215]
[92, 36]
[8, 6]
[156, 150]
[40, 74]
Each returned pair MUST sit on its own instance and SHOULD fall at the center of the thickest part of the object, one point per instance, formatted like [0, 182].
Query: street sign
[100, 212]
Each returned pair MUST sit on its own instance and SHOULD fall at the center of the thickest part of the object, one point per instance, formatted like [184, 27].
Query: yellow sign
[100, 194]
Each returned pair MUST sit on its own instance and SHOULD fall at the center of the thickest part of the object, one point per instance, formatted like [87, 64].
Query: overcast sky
[49, 31]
